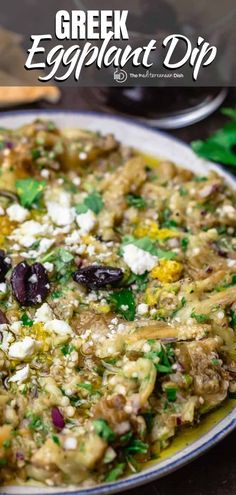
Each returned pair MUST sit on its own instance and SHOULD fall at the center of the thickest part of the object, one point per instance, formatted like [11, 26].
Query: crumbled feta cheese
[7, 338]
[60, 327]
[76, 181]
[21, 375]
[146, 347]
[2, 212]
[17, 213]
[231, 262]
[27, 233]
[70, 443]
[227, 211]
[220, 315]
[45, 173]
[91, 250]
[74, 238]
[196, 251]
[83, 155]
[3, 287]
[44, 245]
[49, 266]
[44, 314]
[16, 326]
[60, 214]
[86, 221]
[142, 309]
[23, 348]
[138, 260]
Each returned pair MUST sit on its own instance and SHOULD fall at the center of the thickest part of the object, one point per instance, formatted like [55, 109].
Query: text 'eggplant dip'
[117, 304]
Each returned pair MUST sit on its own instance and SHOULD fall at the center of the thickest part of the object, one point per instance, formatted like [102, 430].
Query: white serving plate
[161, 145]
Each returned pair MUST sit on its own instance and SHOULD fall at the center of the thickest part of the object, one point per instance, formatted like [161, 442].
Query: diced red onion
[57, 418]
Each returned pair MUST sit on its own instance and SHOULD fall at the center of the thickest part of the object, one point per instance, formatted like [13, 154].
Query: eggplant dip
[117, 304]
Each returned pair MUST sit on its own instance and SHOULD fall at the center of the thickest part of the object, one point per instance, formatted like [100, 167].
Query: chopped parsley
[200, 318]
[29, 191]
[136, 446]
[171, 393]
[92, 202]
[184, 244]
[123, 302]
[116, 472]
[136, 201]
[67, 349]
[103, 430]
[27, 322]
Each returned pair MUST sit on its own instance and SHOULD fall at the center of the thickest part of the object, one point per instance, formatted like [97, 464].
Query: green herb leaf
[136, 446]
[67, 349]
[116, 472]
[56, 439]
[35, 153]
[200, 318]
[29, 191]
[171, 393]
[219, 147]
[27, 322]
[184, 244]
[94, 202]
[103, 430]
[81, 208]
[124, 303]
[136, 201]
[35, 423]
[86, 386]
[63, 262]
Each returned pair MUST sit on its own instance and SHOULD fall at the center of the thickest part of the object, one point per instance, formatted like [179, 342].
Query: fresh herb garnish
[184, 244]
[200, 318]
[103, 430]
[136, 201]
[27, 322]
[29, 191]
[86, 386]
[220, 146]
[171, 393]
[136, 446]
[92, 202]
[116, 472]
[162, 358]
[63, 262]
[124, 303]
[56, 439]
[35, 423]
[67, 349]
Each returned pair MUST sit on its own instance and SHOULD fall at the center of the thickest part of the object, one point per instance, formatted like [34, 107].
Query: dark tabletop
[214, 473]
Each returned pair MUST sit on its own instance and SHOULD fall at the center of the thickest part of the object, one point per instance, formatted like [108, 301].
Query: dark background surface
[214, 473]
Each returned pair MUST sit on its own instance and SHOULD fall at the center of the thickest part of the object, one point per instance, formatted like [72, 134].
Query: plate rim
[211, 437]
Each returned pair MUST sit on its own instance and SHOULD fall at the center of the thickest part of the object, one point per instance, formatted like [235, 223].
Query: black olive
[30, 284]
[5, 265]
[96, 276]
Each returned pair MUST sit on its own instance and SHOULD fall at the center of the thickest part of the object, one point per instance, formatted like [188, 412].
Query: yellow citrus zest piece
[152, 230]
[167, 271]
